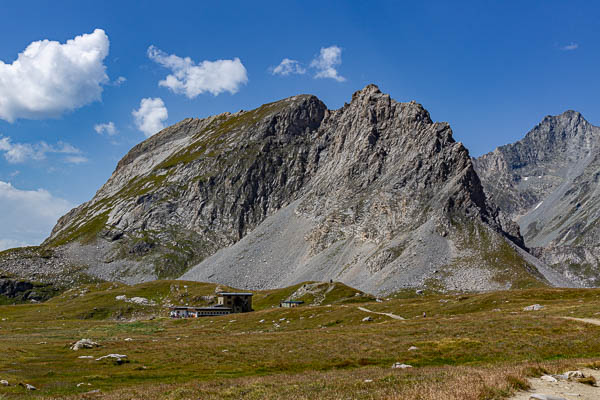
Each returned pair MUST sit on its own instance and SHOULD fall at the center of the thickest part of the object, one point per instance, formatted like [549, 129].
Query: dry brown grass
[429, 383]
[478, 347]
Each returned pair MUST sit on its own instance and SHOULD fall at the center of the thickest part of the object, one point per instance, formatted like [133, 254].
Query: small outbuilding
[290, 303]
[238, 302]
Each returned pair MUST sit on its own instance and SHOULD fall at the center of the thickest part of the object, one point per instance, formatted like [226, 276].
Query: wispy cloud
[76, 159]
[119, 81]
[108, 128]
[151, 116]
[287, 67]
[570, 47]
[192, 79]
[16, 153]
[49, 78]
[326, 63]
[28, 215]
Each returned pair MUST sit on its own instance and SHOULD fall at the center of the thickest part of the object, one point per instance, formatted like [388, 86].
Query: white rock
[121, 297]
[400, 365]
[548, 378]
[30, 387]
[4, 382]
[86, 357]
[141, 301]
[539, 396]
[574, 374]
[368, 380]
[533, 307]
[367, 319]
[413, 348]
[261, 321]
[128, 339]
[115, 356]
[84, 344]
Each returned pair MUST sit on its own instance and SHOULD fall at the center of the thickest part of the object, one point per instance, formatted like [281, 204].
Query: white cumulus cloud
[151, 116]
[49, 78]
[287, 67]
[327, 61]
[193, 79]
[16, 153]
[28, 215]
[108, 128]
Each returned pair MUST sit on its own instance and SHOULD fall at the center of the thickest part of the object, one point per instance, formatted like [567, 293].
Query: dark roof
[293, 301]
[235, 294]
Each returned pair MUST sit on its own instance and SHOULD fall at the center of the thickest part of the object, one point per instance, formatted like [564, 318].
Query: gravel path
[394, 316]
[592, 321]
[562, 389]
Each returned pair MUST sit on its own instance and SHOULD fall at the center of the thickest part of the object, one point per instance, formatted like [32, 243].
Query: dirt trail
[569, 390]
[592, 321]
[394, 316]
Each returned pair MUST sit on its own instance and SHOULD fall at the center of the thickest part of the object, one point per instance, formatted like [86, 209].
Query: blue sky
[492, 69]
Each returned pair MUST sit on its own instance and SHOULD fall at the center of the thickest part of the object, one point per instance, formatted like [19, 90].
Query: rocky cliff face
[548, 182]
[374, 194]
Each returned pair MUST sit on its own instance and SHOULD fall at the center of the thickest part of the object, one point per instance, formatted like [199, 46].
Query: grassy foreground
[475, 346]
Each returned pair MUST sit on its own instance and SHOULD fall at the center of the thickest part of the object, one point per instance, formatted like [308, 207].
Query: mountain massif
[374, 194]
[548, 183]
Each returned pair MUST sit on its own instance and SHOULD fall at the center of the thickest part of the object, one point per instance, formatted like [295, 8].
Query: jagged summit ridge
[374, 194]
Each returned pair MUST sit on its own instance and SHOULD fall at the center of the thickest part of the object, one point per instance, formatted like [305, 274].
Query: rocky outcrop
[548, 183]
[18, 291]
[374, 194]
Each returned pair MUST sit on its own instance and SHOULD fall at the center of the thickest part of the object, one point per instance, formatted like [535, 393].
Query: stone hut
[238, 302]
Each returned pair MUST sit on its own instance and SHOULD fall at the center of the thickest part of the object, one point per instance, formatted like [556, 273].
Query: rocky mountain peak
[375, 194]
[548, 182]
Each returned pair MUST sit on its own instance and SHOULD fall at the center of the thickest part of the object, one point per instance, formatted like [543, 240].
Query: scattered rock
[533, 307]
[28, 386]
[84, 344]
[142, 301]
[574, 374]
[117, 358]
[548, 378]
[538, 396]
[401, 366]
[367, 319]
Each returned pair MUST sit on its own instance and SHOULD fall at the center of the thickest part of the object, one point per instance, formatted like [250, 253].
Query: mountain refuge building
[227, 303]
